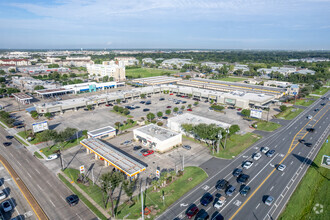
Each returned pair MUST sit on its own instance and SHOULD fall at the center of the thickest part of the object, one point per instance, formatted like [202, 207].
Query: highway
[265, 179]
[47, 189]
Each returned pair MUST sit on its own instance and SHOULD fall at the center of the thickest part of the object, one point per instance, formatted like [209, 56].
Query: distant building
[148, 61]
[98, 71]
[293, 90]
[29, 83]
[305, 72]
[282, 70]
[127, 61]
[242, 67]
[212, 65]
[277, 84]
[175, 62]
[15, 62]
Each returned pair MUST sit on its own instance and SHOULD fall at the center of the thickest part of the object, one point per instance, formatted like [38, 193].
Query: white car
[256, 156]
[221, 201]
[2, 195]
[52, 157]
[309, 117]
[264, 149]
[247, 164]
[6, 206]
[281, 167]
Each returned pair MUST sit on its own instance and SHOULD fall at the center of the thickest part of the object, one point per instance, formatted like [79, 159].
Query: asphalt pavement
[47, 189]
[264, 179]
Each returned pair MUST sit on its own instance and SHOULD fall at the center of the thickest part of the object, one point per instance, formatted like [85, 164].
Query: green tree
[2, 79]
[115, 108]
[143, 96]
[233, 129]
[53, 66]
[105, 78]
[283, 108]
[168, 112]
[39, 87]
[176, 109]
[246, 112]
[183, 107]
[12, 70]
[150, 116]
[89, 107]
[159, 114]
[118, 101]
[126, 111]
[117, 124]
[128, 187]
[196, 103]
[111, 79]
[34, 114]
[189, 106]
[48, 115]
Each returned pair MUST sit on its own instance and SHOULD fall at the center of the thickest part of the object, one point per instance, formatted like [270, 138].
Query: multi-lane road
[265, 179]
[47, 189]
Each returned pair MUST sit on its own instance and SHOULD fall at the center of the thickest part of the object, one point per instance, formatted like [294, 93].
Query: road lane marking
[19, 163]
[291, 163]
[37, 171]
[52, 203]
[271, 188]
[299, 153]
[29, 174]
[282, 174]
[39, 187]
[257, 205]
[263, 182]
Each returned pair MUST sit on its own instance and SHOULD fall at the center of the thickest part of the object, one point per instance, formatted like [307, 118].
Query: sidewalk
[106, 214]
[31, 147]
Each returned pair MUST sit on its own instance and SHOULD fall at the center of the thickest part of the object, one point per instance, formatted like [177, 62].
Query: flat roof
[22, 96]
[157, 80]
[157, 132]
[52, 91]
[188, 118]
[116, 158]
[101, 131]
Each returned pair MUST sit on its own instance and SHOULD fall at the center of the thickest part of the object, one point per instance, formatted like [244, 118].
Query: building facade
[98, 71]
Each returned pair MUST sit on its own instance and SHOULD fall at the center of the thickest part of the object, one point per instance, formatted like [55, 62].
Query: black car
[202, 215]
[161, 99]
[146, 110]
[72, 200]
[206, 199]
[164, 117]
[137, 106]
[142, 102]
[184, 102]
[237, 172]
[6, 144]
[9, 137]
[323, 104]
[316, 109]
[245, 190]
[222, 184]
[243, 178]
[310, 130]
[270, 153]
[17, 123]
[308, 144]
[128, 107]
[135, 148]
[144, 151]
[148, 102]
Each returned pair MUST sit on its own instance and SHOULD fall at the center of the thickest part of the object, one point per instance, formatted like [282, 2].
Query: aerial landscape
[165, 110]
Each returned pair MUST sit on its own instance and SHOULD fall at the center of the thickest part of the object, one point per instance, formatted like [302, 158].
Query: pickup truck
[221, 201]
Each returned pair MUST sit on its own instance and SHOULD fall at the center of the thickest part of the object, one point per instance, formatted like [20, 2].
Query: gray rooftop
[155, 131]
[101, 131]
[126, 164]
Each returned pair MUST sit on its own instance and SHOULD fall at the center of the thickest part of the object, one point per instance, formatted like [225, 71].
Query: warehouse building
[102, 133]
[175, 123]
[157, 138]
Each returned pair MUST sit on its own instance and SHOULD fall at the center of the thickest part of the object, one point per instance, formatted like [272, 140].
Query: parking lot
[19, 206]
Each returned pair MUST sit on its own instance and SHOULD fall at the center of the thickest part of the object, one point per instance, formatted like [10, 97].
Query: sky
[185, 24]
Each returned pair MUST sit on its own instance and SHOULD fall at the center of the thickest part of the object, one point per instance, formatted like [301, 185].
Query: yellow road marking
[287, 154]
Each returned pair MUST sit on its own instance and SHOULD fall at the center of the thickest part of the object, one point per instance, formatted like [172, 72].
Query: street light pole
[142, 203]
[218, 145]
[226, 138]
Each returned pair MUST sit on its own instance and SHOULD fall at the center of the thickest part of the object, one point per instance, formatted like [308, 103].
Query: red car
[171, 93]
[191, 211]
[189, 110]
[239, 109]
[169, 106]
[148, 153]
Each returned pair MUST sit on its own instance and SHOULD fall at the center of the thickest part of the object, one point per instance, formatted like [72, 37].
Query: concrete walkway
[31, 147]
[106, 214]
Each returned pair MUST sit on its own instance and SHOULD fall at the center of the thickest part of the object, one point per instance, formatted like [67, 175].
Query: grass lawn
[236, 144]
[192, 176]
[313, 189]
[232, 79]
[289, 114]
[147, 72]
[127, 126]
[38, 155]
[21, 141]
[82, 198]
[321, 91]
[303, 102]
[3, 121]
[46, 151]
[267, 126]
[24, 135]
[128, 116]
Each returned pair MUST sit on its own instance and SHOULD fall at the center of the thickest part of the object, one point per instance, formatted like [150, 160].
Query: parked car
[136, 148]
[189, 110]
[270, 153]
[281, 167]
[230, 190]
[148, 153]
[126, 142]
[52, 157]
[144, 151]
[6, 144]
[142, 102]
[164, 117]
[72, 200]
[237, 172]
[146, 110]
[9, 137]
[206, 199]
[222, 184]
[161, 99]
[2, 195]
[256, 156]
[148, 103]
[247, 164]
[264, 149]
[221, 201]
[245, 190]
[169, 106]
[187, 147]
[269, 200]
[6, 206]
[191, 211]
[243, 178]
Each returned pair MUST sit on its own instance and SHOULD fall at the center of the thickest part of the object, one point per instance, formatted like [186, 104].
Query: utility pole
[268, 113]
[61, 160]
[93, 175]
[218, 145]
[226, 137]
[182, 162]
[142, 203]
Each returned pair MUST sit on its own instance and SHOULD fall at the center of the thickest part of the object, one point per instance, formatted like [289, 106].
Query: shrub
[153, 121]
[160, 123]
[283, 108]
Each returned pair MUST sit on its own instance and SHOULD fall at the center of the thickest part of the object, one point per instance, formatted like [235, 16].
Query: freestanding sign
[256, 113]
[82, 169]
[40, 126]
[158, 173]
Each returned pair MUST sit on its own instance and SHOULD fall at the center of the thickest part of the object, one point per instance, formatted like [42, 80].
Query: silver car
[269, 200]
